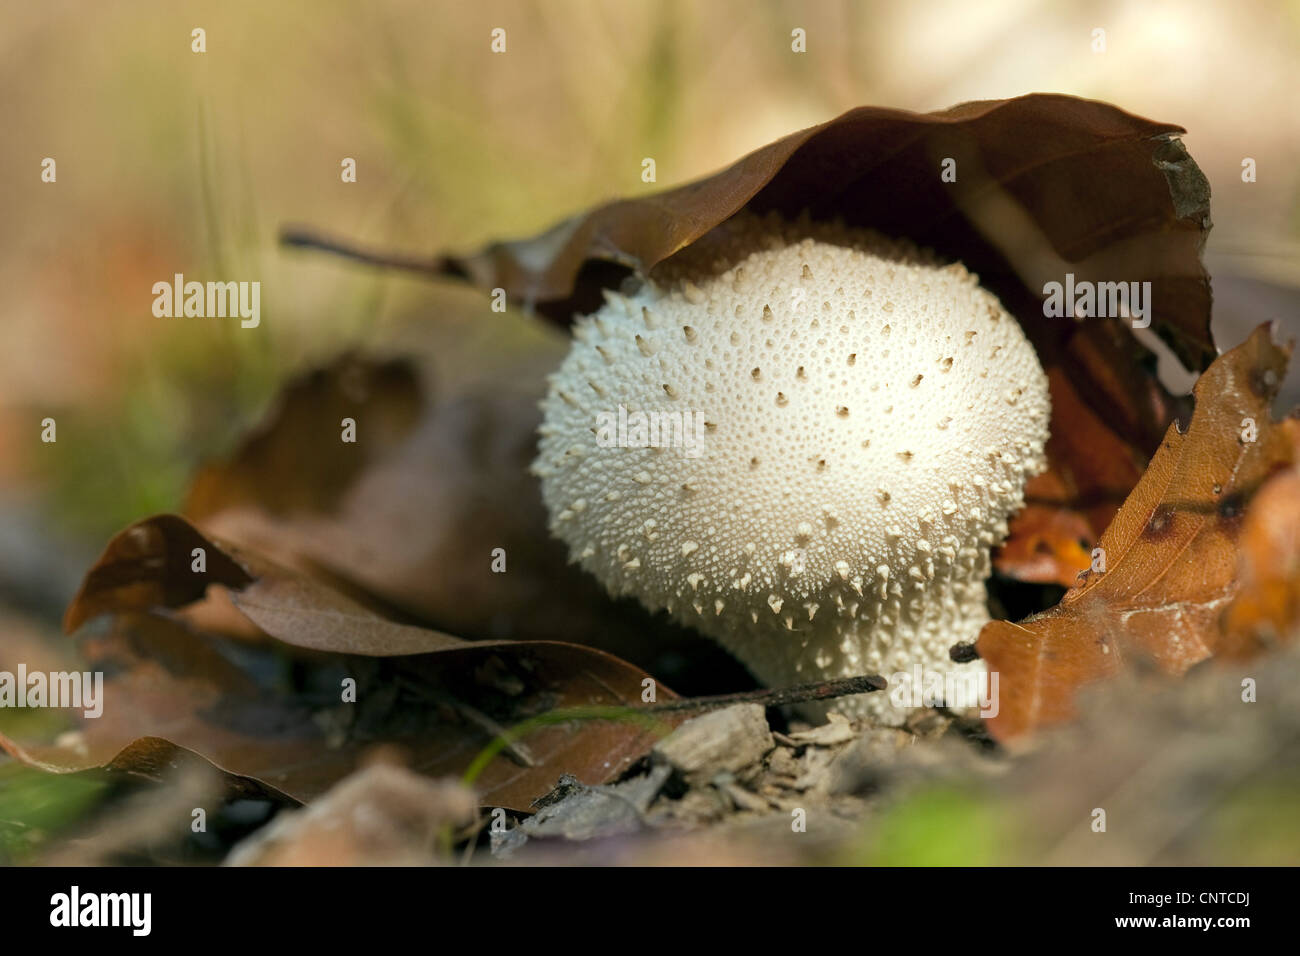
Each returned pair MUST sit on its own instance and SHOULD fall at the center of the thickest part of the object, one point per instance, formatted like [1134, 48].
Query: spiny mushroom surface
[868, 419]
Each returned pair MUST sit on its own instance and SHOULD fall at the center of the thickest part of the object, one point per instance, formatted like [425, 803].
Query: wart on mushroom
[872, 417]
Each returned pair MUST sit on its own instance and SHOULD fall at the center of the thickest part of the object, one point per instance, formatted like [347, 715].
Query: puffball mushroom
[867, 418]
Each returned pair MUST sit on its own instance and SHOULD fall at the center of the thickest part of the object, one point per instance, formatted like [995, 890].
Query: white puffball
[841, 426]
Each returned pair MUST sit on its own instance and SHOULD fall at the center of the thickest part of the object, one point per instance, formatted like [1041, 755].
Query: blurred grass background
[171, 161]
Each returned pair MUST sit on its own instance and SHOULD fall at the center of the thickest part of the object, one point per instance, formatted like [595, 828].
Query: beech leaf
[172, 681]
[1170, 554]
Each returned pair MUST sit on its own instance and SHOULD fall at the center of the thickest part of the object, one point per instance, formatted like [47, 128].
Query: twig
[776, 697]
[304, 238]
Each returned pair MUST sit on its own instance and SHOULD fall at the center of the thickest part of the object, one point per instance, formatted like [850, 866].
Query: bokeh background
[171, 161]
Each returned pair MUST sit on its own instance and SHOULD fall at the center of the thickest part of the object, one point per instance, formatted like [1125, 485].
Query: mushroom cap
[866, 419]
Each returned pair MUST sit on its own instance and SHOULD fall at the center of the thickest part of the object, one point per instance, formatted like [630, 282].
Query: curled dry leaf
[441, 699]
[1105, 193]
[1170, 554]
[1045, 185]
[152, 565]
[162, 679]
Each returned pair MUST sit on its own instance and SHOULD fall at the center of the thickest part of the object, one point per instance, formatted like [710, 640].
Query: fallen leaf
[1109, 192]
[172, 693]
[1170, 554]
[441, 698]
[171, 696]
[150, 565]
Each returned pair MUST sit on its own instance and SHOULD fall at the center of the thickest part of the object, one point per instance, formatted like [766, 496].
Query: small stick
[304, 238]
[800, 693]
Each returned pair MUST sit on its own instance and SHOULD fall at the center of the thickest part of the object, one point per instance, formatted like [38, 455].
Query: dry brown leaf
[150, 565]
[1086, 178]
[1170, 553]
[172, 696]
[455, 696]
[278, 725]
